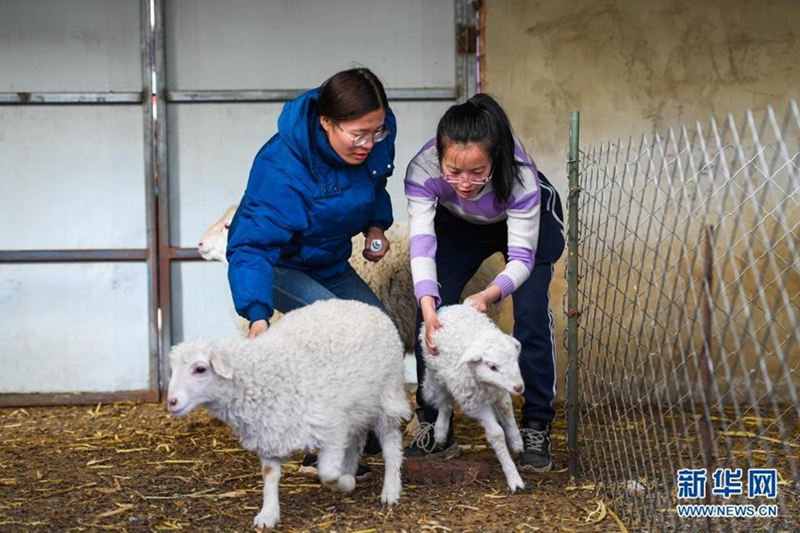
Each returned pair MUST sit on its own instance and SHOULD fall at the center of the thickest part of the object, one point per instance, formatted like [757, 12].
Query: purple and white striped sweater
[424, 186]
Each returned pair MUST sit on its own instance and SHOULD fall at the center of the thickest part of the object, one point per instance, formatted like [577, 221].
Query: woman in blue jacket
[313, 186]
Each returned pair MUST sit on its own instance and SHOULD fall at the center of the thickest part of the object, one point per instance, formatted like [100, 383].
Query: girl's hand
[375, 233]
[483, 299]
[257, 328]
[432, 323]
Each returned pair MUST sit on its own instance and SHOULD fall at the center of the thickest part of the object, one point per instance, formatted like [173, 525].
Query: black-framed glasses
[361, 140]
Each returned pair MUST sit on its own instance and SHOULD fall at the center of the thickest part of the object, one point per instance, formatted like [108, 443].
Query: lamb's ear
[516, 343]
[222, 367]
[473, 354]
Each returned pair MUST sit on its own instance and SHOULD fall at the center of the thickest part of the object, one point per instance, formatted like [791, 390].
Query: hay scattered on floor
[133, 467]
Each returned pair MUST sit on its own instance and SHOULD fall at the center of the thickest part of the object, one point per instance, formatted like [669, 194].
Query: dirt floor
[133, 467]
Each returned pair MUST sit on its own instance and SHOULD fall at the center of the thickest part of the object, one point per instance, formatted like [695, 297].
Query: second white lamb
[476, 366]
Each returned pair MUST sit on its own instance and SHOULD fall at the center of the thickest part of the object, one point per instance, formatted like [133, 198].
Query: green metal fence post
[572, 296]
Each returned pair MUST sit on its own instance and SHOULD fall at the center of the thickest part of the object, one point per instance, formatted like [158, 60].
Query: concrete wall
[632, 67]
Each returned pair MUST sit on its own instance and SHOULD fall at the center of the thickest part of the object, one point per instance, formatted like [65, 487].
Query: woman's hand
[432, 323]
[483, 299]
[257, 328]
[375, 233]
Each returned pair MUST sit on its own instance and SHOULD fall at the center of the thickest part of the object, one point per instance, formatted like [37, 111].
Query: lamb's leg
[329, 463]
[270, 511]
[505, 412]
[388, 431]
[437, 396]
[497, 440]
[442, 423]
[352, 454]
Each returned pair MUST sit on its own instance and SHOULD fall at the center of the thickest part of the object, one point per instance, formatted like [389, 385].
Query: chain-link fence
[688, 323]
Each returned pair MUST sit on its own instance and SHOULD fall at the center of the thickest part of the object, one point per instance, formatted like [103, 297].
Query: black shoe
[308, 468]
[536, 442]
[363, 472]
[424, 446]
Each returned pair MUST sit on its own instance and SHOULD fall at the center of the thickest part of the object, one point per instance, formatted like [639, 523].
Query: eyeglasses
[361, 140]
[474, 179]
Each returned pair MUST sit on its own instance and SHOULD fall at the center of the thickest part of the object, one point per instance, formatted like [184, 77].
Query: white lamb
[319, 378]
[390, 278]
[476, 365]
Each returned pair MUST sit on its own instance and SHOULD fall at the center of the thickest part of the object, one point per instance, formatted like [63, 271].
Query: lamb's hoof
[267, 518]
[515, 484]
[346, 483]
[390, 496]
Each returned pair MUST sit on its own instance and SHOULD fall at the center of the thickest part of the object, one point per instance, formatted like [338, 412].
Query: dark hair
[481, 120]
[351, 94]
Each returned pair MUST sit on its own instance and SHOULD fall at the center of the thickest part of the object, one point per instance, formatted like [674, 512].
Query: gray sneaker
[424, 446]
[536, 442]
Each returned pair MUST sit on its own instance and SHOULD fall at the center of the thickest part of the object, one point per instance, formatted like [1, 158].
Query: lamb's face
[197, 369]
[213, 244]
[494, 360]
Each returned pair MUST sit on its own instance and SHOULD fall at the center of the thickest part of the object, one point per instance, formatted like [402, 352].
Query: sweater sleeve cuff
[505, 284]
[427, 287]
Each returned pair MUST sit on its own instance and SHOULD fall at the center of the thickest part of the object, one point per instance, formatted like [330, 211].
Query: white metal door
[75, 274]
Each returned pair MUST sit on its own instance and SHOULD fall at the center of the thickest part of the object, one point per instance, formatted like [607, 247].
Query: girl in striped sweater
[473, 191]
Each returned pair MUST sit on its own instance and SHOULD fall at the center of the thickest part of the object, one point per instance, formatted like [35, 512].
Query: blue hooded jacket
[302, 206]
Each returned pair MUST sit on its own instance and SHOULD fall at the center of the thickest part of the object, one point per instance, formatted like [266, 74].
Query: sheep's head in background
[214, 242]
[494, 359]
[198, 368]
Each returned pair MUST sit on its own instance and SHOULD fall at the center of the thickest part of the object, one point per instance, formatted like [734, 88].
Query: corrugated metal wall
[83, 175]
